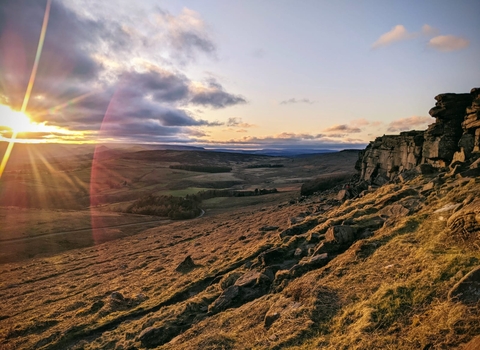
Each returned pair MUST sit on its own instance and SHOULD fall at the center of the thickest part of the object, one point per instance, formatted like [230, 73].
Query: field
[65, 199]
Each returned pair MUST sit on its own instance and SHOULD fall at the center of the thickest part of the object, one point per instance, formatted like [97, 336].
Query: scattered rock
[224, 300]
[249, 286]
[268, 228]
[394, 211]
[428, 187]
[467, 290]
[186, 265]
[343, 195]
[340, 234]
[295, 220]
[152, 337]
[117, 297]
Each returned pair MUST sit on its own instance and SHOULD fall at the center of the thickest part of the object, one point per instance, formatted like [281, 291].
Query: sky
[232, 74]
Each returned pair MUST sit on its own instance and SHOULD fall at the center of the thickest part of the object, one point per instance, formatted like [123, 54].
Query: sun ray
[31, 81]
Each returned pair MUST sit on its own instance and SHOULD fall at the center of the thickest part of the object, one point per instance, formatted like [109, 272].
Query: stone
[467, 290]
[425, 169]
[394, 211]
[249, 286]
[308, 264]
[390, 154]
[466, 221]
[428, 187]
[296, 219]
[475, 164]
[152, 337]
[117, 297]
[224, 300]
[343, 195]
[470, 173]
[340, 234]
[268, 228]
[326, 247]
[272, 256]
[186, 265]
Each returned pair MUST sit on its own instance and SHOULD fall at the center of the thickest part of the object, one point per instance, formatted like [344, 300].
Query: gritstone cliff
[453, 139]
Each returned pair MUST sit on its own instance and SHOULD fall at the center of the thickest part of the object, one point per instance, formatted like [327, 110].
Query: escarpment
[453, 138]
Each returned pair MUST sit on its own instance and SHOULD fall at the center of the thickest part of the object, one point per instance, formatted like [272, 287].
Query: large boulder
[467, 290]
[340, 234]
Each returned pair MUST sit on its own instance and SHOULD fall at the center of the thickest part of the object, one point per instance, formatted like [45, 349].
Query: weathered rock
[343, 195]
[425, 169]
[117, 297]
[340, 234]
[224, 300]
[466, 221]
[295, 220]
[308, 264]
[428, 187]
[327, 247]
[394, 210]
[186, 265]
[388, 155]
[452, 139]
[268, 228]
[272, 256]
[467, 290]
[152, 337]
[249, 286]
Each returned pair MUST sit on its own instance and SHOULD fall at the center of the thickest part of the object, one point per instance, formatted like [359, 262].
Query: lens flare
[29, 87]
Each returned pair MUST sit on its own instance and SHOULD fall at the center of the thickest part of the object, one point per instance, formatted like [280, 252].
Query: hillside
[392, 262]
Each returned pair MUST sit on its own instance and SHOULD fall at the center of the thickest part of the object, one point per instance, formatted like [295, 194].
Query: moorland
[381, 251]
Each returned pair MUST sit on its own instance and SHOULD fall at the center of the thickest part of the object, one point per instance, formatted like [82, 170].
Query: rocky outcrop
[442, 137]
[390, 154]
[454, 138]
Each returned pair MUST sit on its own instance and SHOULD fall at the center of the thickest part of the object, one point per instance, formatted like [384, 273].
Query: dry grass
[388, 291]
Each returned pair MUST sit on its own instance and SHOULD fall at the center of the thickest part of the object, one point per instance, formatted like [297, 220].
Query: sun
[14, 120]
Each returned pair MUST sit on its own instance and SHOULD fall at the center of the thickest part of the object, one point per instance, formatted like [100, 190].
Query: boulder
[467, 290]
[186, 265]
[340, 234]
[249, 286]
[153, 337]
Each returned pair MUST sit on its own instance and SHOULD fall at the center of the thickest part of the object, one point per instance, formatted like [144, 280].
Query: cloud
[238, 122]
[397, 33]
[294, 100]
[447, 43]
[405, 124]
[213, 95]
[343, 128]
[186, 34]
[293, 140]
[428, 30]
[99, 74]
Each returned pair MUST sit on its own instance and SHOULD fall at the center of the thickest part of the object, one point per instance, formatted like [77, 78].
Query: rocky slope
[396, 267]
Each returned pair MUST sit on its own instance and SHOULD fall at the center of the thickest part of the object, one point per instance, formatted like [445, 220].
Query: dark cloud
[162, 85]
[343, 128]
[294, 100]
[238, 122]
[213, 95]
[83, 82]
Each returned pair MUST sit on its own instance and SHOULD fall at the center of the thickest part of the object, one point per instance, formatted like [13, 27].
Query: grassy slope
[388, 291]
